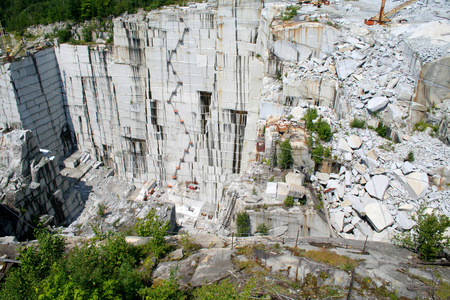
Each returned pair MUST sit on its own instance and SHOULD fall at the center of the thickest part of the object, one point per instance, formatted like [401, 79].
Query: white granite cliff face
[31, 97]
[175, 99]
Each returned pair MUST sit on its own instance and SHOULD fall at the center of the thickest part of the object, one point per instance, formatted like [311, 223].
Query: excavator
[382, 18]
[317, 3]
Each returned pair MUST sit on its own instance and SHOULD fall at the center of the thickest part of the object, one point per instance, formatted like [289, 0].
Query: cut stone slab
[354, 142]
[407, 167]
[343, 146]
[348, 227]
[395, 112]
[406, 207]
[403, 219]
[364, 229]
[323, 177]
[337, 220]
[271, 190]
[378, 215]
[372, 154]
[346, 67]
[377, 103]
[418, 182]
[376, 187]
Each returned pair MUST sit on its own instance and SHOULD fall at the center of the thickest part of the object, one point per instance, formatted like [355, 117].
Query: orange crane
[382, 17]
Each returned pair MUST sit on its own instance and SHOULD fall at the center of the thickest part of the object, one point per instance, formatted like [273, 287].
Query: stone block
[378, 215]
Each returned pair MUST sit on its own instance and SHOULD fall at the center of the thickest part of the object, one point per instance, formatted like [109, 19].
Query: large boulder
[377, 103]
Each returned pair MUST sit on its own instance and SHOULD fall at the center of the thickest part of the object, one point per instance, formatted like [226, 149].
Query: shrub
[381, 129]
[421, 126]
[410, 156]
[189, 245]
[101, 209]
[323, 129]
[310, 115]
[152, 226]
[427, 235]
[64, 35]
[327, 152]
[86, 34]
[289, 201]
[357, 123]
[286, 154]
[243, 224]
[262, 229]
[317, 154]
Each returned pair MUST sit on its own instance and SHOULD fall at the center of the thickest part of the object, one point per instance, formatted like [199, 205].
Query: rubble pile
[375, 72]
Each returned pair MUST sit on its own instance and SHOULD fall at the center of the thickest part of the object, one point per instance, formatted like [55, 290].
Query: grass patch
[331, 259]
[357, 123]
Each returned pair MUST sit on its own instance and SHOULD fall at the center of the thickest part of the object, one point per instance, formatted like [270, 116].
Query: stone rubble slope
[376, 190]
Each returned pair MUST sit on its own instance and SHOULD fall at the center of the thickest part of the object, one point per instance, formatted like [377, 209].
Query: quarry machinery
[382, 17]
[5, 48]
[317, 3]
[10, 54]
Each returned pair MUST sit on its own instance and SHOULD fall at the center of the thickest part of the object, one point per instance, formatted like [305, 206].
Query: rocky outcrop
[31, 186]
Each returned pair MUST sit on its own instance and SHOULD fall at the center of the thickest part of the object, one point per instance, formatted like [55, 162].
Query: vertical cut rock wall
[175, 99]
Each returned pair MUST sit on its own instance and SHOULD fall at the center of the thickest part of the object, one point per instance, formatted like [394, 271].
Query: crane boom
[382, 17]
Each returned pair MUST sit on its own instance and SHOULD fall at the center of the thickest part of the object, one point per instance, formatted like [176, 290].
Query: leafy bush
[317, 154]
[152, 226]
[188, 245]
[262, 229]
[243, 224]
[289, 201]
[422, 126]
[286, 154]
[101, 209]
[86, 34]
[36, 264]
[64, 35]
[310, 115]
[357, 123]
[327, 152]
[427, 235]
[381, 129]
[410, 156]
[323, 129]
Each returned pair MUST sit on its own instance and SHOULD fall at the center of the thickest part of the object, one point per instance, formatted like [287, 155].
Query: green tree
[286, 154]
[427, 235]
[243, 224]
[86, 10]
